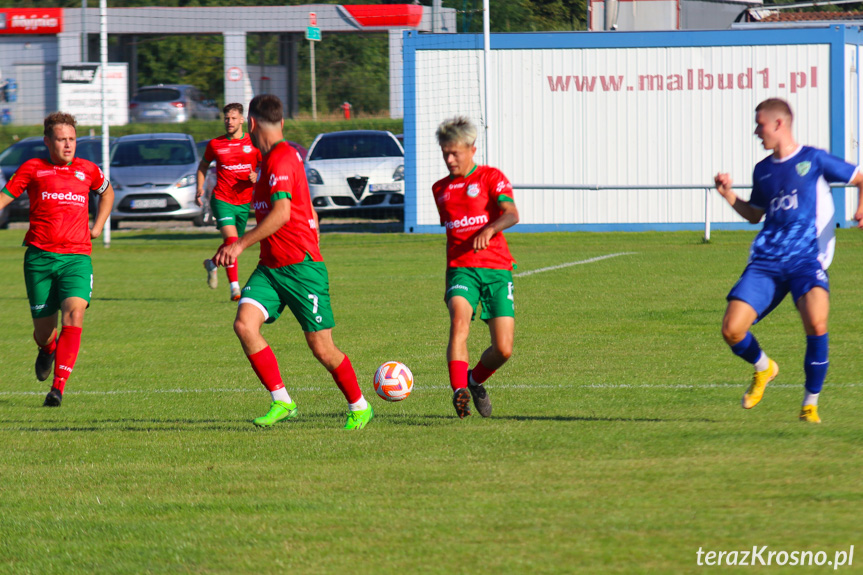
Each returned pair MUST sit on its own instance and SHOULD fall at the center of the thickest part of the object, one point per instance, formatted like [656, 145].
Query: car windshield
[152, 153]
[17, 154]
[344, 146]
[90, 150]
[157, 95]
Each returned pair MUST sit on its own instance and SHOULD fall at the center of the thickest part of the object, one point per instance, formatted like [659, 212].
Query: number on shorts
[314, 299]
[509, 297]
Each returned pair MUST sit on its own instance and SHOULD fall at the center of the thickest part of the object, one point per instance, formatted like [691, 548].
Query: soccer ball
[394, 381]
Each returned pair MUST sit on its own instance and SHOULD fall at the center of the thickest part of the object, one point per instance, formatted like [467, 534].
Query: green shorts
[303, 287]
[227, 214]
[50, 278]
[491, 287]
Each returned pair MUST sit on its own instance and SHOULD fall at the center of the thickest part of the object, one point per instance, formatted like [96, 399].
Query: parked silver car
[154, 177]
[169, 103]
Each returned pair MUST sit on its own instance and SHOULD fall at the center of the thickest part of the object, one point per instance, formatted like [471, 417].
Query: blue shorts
[764, 285]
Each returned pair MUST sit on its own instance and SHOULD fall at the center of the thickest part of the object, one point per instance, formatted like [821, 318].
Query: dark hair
[776, 105]
[233, 106]
[58, 119]
[266, 108]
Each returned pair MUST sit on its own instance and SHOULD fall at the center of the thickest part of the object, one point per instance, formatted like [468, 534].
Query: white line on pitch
[570, 264]
[255, 389]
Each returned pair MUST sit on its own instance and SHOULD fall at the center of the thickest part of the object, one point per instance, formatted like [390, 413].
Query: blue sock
[747, 348]
[815, 363]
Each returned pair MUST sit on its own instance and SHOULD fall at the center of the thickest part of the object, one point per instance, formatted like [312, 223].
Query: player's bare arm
[317, 225]
[278, 217]
[201, 177]
[507, 219]
[253, 176]
[858, 181]
[106, 202]
[5, 200]
[750, 213]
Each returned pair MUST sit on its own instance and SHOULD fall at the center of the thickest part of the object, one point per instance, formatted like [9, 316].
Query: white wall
[544, 133]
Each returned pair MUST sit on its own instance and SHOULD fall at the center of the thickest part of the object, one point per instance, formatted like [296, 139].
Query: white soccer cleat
[212, 274]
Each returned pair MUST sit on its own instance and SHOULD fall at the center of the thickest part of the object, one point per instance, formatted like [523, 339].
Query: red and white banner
[31, 20]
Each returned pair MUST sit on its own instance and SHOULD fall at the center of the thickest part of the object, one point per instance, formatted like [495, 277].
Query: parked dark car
[88, 148]
[170, 103]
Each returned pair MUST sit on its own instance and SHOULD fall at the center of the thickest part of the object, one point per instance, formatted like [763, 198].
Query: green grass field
[617, 444]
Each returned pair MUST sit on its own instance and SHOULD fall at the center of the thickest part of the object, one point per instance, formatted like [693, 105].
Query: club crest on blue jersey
[803, 168]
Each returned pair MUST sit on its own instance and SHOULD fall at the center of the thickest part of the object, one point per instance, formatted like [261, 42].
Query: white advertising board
[627, 116]
[80, 93]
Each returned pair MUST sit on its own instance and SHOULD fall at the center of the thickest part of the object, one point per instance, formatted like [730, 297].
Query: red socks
[458, 374]
[233, 273]
[346, 378]
[68, 345]
[480, 373]
[267, 369]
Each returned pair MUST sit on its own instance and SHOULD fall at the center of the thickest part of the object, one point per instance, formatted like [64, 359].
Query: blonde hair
[459, 130]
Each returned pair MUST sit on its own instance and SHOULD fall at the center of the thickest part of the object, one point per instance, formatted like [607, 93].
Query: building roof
[788, 16]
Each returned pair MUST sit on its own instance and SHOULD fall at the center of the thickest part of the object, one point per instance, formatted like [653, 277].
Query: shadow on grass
[408, 419]
[158, 299]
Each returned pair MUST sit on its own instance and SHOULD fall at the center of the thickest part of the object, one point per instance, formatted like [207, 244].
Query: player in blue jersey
[790, 190]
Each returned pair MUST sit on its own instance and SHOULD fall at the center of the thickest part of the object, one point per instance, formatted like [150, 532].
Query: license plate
[373, 188]
[149, 204]
[152, 113]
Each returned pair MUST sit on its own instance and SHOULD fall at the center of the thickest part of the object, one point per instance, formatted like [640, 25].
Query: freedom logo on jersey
[67, 197]
[784, 202]
[236, 167]
[469, 223]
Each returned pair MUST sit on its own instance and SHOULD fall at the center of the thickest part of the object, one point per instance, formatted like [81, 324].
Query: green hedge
[300, 131]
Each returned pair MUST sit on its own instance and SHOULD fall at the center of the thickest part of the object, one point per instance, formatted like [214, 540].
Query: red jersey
[235, 159]
[466, 205]
[283, 176]
[59, 195]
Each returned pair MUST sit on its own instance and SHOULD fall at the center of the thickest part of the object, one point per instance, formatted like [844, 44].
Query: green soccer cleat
[359, 419]
[279, 410]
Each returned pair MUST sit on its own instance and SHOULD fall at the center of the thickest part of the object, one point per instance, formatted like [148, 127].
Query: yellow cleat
[759, 382]
[809, 414]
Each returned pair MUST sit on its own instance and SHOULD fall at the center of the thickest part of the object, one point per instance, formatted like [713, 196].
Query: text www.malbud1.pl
[693, 79]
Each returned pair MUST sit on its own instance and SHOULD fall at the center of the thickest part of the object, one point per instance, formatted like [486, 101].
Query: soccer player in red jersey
[237, 162]
[291, 272]
[475, 205]
[57, 267]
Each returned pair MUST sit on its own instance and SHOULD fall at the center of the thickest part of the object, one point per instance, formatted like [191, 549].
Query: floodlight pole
[106, 135]
[487, 78]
